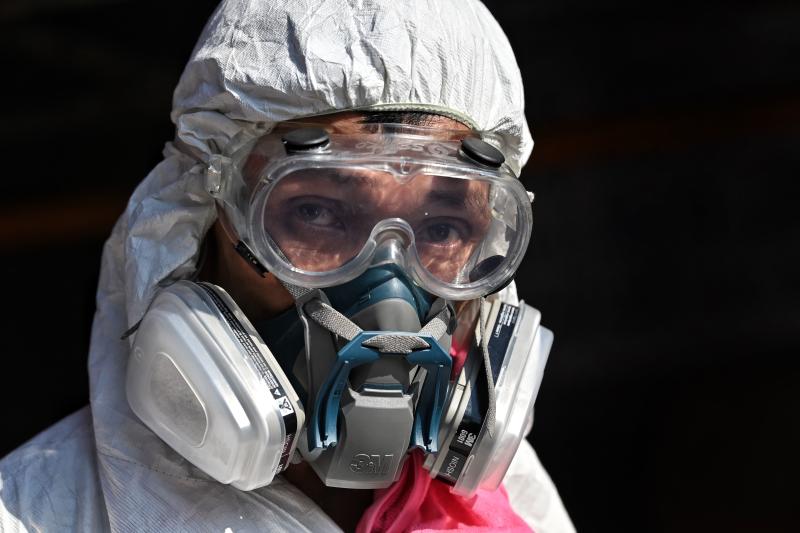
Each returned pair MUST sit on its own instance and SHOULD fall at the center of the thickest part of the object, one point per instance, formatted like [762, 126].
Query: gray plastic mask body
[377, 407]
[375, 426]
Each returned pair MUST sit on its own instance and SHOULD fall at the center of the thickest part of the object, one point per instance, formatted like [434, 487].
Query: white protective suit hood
[261, 62]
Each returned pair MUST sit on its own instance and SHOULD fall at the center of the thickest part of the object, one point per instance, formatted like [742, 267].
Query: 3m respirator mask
[377, 237]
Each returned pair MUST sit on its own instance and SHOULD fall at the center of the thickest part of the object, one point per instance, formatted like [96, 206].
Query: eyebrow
[458, 198]
[449, 198]
[357, 176]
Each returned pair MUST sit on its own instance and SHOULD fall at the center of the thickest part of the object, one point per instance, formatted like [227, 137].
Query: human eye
[316, 212]
[444, 232]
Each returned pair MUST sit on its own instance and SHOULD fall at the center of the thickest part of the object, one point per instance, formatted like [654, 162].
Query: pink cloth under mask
[418, 503]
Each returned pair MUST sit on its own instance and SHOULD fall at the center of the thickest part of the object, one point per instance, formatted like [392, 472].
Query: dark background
[665, 251]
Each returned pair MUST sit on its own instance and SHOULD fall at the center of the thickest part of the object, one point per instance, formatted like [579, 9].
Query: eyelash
[325, 206]
[460, 226]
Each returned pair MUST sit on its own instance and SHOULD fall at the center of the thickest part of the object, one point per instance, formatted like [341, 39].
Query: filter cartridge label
[452, 467]
[501, 336]
[276, 389]
[469, 429]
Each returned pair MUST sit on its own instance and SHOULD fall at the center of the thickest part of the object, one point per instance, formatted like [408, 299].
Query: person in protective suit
[275, 92]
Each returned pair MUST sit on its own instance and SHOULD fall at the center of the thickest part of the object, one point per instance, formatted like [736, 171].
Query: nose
[390, 250]
[393, 237]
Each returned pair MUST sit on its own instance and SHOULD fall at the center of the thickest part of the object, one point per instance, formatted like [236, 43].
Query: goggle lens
[321, 218]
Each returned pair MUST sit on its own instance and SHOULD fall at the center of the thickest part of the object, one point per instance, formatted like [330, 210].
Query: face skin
[316, 234]
[264, 297]
[322, 218]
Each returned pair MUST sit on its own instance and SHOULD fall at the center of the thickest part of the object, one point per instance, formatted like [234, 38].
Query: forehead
[356, 122]
[344, 123]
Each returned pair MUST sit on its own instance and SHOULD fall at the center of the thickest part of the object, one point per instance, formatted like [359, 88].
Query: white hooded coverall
[260, 62]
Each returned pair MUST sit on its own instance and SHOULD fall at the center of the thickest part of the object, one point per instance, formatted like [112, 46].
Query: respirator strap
[419, 348]
[332, 320]
[483, 323]
[329, 318]
[436, 327]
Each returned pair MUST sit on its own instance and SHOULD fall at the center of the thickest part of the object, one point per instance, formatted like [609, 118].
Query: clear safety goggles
[318, 208]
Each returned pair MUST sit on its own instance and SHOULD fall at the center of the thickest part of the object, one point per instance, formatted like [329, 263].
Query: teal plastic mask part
[323, 422]
[284, 337]
[428, 415]
[284, 334]
[375, 284]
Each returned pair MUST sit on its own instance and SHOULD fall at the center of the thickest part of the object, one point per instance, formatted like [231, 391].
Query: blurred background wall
[665, 252]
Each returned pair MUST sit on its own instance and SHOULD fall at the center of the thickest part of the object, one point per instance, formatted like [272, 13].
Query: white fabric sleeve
[533, 495]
